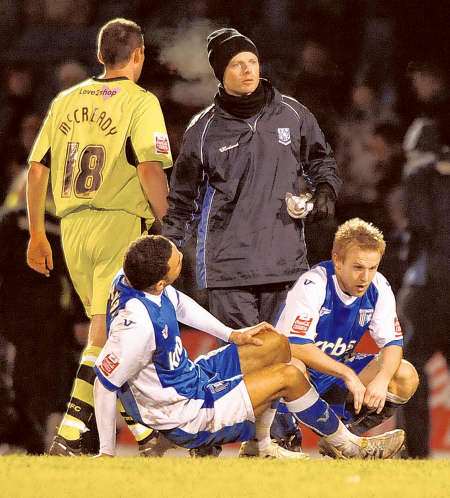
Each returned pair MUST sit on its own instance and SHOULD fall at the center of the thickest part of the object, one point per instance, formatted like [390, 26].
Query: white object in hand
[299, 206]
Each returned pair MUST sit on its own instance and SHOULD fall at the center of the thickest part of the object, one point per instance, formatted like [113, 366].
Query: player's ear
[160, 285]
[337, 260]
[138, 54]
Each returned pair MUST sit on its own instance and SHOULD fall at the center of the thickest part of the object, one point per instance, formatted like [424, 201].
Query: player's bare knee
[292, 376]
[96, 339]
[410, 374]
[299, 365]
[406, 379]
[97, 331]
[282, 348]
[277, 346]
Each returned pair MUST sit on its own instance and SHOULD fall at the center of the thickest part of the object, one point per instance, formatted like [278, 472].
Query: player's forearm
[315, 358]
[154, 183]
[37, 183]
[389, 362]
[105, 415]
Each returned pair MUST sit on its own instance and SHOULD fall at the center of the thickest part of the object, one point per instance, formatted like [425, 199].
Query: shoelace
[374, 450]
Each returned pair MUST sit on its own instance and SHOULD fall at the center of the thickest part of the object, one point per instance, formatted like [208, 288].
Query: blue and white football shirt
[144, 359]
[317, 311]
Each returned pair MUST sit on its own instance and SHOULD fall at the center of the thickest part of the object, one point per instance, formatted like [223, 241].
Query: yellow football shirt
[93, 137]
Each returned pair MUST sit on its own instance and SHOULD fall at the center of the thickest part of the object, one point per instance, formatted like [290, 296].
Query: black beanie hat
[223, 45]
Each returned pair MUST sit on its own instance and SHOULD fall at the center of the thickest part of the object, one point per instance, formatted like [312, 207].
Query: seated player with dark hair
[224, 396]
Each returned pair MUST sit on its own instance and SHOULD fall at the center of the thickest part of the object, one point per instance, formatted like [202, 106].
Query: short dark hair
[117, 39]
[146, 261]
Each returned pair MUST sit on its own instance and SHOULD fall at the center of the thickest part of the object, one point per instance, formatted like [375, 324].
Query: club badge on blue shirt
[365, 315]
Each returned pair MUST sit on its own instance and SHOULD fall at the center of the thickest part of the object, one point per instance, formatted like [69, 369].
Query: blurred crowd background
[375, 74]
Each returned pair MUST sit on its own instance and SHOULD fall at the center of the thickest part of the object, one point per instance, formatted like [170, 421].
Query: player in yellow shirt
[104, 144]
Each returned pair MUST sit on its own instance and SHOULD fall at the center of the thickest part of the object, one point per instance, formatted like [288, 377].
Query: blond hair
[360, 233]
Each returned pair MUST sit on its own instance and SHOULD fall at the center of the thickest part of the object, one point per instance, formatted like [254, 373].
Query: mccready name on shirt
[85, 114]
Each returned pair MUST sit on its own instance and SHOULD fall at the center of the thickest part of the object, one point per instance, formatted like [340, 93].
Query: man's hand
[376, 391]
[247, 335]
[357, 388]
[243, 338]
[324, 201]
[39, 254]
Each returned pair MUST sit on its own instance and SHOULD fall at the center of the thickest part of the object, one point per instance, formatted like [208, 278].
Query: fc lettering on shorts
[109, 364]
[301, 325]
[397, 328]
[161, 143]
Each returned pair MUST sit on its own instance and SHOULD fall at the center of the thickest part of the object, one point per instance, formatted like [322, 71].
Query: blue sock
[314, 412]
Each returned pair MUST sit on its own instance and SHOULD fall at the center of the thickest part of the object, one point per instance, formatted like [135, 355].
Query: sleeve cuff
[228, 335]
[44, 160]
[105, 382]
[397, 342]
[164, 163]
[298, 340]
[225, 335]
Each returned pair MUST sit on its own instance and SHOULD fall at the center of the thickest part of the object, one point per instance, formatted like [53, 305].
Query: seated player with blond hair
[325, 316]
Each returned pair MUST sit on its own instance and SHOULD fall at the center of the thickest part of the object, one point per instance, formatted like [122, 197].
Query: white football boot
[368, 448]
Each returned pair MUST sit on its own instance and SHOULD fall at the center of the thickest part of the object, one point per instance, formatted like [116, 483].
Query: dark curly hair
[146, 261]
[117, 39]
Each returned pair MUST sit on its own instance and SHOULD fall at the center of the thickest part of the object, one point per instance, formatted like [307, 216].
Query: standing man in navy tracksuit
[239, 158]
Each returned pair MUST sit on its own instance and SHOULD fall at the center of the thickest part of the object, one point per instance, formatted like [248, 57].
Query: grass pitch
[127, 477]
